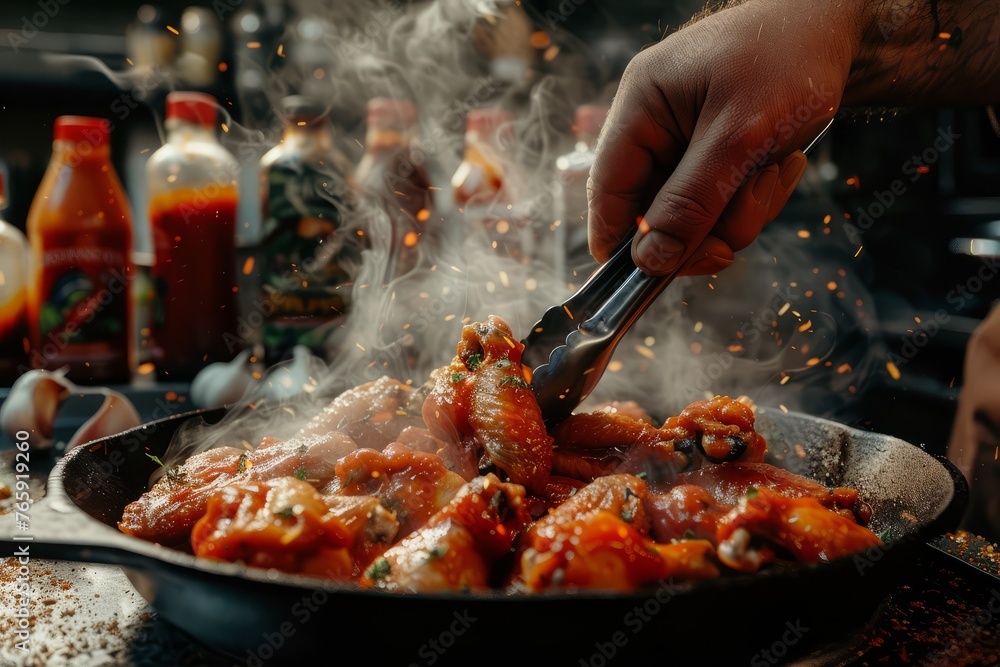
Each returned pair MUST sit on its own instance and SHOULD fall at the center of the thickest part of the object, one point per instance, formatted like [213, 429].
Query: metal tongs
[571, 346]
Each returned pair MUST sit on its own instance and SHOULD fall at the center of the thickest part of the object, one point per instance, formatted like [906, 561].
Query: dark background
[910, 265]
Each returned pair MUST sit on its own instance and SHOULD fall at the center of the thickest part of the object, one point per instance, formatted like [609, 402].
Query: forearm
[923, 52]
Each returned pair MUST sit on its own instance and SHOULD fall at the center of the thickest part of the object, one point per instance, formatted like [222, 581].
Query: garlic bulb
[223, 383]
[34, 401]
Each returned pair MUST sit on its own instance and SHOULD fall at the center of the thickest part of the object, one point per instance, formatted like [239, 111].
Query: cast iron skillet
[266, 617]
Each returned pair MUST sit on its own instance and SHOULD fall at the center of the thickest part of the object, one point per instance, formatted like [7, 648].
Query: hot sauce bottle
[80, 231]
[13, 300]
[485, 187]
[393, 173]
[192, 210]
[312, 244]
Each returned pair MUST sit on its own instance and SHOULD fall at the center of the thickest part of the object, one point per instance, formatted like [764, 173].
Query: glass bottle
[573, 259]
[485, 186]
[311, 246]
[191, 183]
[80, 232]
[13, 300]
[391, 172]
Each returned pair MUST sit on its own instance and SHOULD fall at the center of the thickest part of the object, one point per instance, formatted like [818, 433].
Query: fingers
[712, 256]
[790, 172]
[688, 205]
[747, 212]
[757, 202]
[635, 154]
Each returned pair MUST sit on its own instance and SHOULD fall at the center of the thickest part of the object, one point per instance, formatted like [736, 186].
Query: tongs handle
[638, 289]
[568, 358]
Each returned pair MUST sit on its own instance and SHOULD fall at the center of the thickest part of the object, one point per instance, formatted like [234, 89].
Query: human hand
[700, 149]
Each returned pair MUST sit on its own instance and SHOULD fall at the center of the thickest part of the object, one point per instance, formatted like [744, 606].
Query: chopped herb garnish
[503, 363]
[286, 513]
[300, 473]
[513, 381]
[752, 492]
[688, 534]
[572, 492]
[474, 361]
[885, 535]
[379, 569]
[436, 552]
[303, 448]
[627, 514]
[641, 475]
[172, 473]
[241, 464]
[457, 377]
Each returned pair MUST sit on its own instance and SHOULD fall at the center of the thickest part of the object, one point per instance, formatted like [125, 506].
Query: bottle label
[308, 258]
[85, 297]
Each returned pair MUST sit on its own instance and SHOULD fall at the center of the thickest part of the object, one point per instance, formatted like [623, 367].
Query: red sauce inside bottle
[195, 316]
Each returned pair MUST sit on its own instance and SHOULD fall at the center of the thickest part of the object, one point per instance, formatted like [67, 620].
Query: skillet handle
[56, 529]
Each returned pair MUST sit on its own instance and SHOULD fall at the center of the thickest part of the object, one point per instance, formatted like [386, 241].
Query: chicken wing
[457, 548]
[373, 414]
[413, 485]
[281, 524]
[764, 522]
[167, 512]
[597, 539]
[483, 395]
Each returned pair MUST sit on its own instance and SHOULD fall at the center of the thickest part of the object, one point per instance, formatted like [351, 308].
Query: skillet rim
[108, 545]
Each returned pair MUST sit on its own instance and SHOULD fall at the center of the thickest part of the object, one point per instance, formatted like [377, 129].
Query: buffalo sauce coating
[373, 414]
[281, 524]
[483, 395]
[598, 538]
[803, 527]
[458, 546]
[167, 512]
[715, 421]
[413, 485]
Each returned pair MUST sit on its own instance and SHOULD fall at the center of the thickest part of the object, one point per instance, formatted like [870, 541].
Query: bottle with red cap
[486, 186]
[13, 300]
[394, 174]
[80, 231]
[192, 185]
[573, 258]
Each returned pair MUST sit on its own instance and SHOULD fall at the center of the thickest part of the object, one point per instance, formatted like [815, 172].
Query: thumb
[688, 206]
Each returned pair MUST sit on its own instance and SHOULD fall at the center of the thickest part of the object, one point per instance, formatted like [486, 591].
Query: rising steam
[789, 324]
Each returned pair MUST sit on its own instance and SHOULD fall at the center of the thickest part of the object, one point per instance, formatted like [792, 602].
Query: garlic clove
[293, 377]
[32, 405]
[115, 415]
[223, 383]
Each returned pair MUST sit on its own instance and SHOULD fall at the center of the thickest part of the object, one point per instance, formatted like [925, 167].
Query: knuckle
[685, 213]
